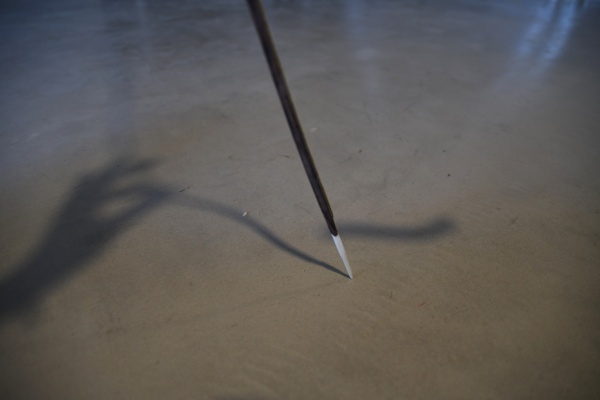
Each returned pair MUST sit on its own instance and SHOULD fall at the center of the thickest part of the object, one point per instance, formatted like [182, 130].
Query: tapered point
[340, 248]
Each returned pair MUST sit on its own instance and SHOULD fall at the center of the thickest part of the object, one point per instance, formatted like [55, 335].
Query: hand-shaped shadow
[80, 231]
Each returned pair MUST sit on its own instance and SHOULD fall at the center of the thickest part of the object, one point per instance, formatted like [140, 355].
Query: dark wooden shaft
[260, 22]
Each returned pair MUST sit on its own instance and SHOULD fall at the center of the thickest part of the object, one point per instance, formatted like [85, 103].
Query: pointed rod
[260, 22]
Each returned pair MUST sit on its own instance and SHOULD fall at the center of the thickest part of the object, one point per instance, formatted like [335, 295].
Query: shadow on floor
[81, 230]
[104, 204]
[100, 207]
[431, 230]
[236, 215]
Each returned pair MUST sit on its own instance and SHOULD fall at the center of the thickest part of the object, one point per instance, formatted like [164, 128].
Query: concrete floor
[457, 140]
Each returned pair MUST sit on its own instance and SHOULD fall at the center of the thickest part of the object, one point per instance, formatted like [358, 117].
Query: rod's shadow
[236, 215]
[431, 230]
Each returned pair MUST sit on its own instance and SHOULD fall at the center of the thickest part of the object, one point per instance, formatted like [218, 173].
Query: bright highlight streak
[340, 248]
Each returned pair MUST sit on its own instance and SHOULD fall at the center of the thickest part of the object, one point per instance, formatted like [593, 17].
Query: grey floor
[159, 240]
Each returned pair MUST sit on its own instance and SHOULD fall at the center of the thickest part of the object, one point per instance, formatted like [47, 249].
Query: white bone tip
[340, 248]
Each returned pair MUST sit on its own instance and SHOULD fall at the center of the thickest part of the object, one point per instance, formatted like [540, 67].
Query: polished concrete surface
[458, 142]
